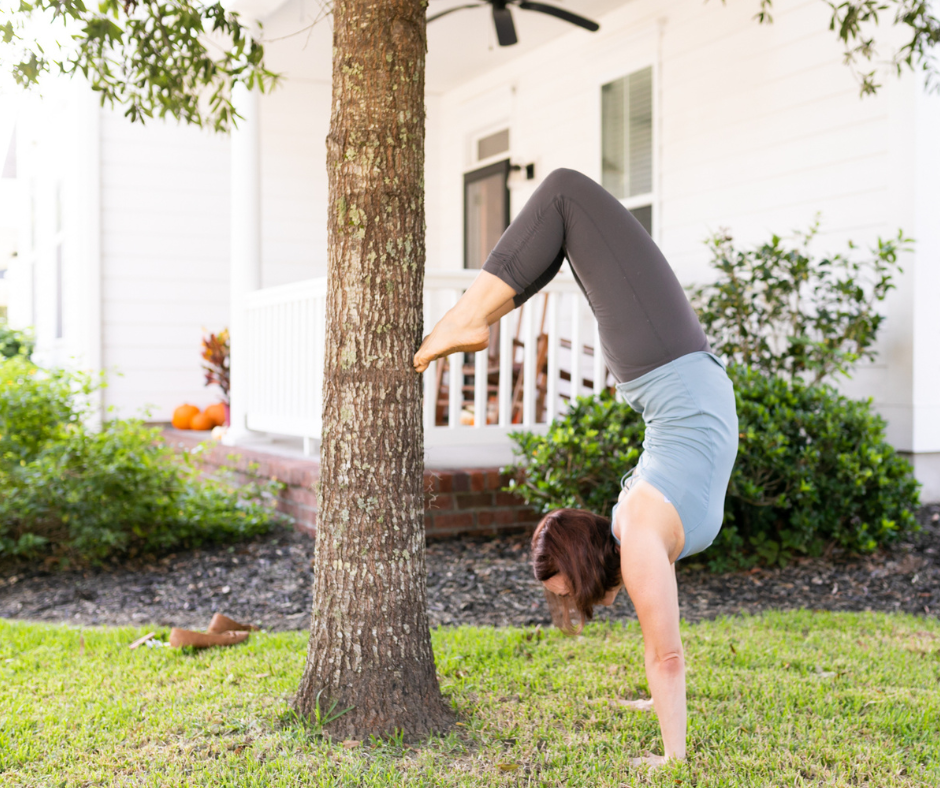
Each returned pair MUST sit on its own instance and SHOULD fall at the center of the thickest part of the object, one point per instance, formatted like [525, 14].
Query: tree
[370, 646]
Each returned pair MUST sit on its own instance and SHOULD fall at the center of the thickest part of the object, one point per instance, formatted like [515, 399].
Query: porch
[540, 357]
[458, 499]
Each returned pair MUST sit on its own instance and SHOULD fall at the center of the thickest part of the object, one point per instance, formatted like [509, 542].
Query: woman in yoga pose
[671, 503]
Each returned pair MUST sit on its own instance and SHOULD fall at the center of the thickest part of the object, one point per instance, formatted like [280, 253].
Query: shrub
[82, 495]
[813, 470]
[15, 343]
[579, 462]
[777, 309]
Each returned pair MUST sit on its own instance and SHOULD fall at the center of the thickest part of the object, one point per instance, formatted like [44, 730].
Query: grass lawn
[784, 699]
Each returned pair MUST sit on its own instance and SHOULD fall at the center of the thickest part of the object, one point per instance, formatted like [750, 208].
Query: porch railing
[541, 356]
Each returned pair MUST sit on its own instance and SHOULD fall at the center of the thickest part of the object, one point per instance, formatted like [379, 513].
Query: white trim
[245, 261]
[482, 436]
[474, 138]
[293, 291]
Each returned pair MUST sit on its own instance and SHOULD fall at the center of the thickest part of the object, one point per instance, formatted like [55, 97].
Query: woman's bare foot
[451, 335]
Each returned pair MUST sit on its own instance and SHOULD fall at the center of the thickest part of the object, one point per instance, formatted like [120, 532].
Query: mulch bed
[470, 581]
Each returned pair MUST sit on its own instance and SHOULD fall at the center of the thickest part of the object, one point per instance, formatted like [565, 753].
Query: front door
[485, 211]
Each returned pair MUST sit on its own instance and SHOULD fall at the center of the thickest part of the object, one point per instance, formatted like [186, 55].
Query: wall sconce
[519, 173]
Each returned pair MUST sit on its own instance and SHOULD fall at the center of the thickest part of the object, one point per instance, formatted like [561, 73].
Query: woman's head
[577, 561]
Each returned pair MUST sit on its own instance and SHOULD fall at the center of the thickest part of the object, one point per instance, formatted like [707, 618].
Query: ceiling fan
[502, 18]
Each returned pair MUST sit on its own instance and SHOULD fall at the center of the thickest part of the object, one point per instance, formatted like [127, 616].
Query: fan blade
[551, 10]
[505, 29]
[451, 10]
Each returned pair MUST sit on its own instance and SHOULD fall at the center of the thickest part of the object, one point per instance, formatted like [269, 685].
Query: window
[493, 145]
[485, 212]
[627, 143]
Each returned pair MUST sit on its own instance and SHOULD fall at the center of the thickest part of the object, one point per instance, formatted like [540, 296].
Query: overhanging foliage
[153, 57]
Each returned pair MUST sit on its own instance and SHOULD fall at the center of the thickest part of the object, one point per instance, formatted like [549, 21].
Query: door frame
[500, 167]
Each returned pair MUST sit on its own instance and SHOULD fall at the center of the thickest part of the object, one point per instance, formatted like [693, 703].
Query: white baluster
[528, 366]
[480, 369]
[599, 370]
[309, 400]
[280, 331]
[575, 347]
[430, 374]
[455, 380]
[294, 343]
[505, 370]
[551, 394]
[320, 320]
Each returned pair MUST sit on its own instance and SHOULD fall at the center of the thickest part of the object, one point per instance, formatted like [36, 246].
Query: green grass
[784, 699]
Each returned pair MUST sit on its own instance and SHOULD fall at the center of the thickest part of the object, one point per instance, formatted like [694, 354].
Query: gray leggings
[643, 316]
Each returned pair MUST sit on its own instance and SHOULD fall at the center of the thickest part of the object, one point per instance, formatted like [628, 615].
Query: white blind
[627, 134]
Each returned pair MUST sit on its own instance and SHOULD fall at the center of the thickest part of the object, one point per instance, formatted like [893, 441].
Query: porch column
[245, 252]
[926, 274]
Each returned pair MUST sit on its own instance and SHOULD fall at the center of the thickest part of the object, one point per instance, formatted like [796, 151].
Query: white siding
[165, 223]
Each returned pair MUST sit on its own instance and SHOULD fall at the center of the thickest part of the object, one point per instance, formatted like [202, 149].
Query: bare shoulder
[645, 512]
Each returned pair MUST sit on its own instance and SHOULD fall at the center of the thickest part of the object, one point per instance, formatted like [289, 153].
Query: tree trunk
[370, 648]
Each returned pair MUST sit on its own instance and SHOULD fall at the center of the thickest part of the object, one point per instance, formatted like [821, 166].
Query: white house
[133, 239]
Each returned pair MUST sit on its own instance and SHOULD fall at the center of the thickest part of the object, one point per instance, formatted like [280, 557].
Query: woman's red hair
[580, 546]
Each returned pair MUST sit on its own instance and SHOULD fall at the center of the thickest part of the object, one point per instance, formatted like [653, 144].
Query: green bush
[813, 469]
[85, 495]
[13, 342]
[778, 309]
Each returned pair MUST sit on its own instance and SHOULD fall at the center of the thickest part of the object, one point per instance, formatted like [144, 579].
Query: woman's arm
[650, 579]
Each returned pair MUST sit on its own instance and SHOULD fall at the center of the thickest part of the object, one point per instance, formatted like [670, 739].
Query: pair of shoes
[222, 631]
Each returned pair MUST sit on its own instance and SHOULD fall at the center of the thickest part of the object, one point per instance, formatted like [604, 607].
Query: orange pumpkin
[183, 416]
[217, 414]
[202, 421]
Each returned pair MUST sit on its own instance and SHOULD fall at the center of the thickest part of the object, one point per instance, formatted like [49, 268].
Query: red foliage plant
[215, 353]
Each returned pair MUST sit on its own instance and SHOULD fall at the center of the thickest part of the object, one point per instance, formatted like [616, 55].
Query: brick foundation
[456, 501]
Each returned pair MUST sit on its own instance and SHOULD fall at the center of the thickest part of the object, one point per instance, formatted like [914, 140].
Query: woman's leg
[528, 256]
[465, 327]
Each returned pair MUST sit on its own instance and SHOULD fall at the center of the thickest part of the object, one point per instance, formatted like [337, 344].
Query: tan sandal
[222, 623]
[186, 637]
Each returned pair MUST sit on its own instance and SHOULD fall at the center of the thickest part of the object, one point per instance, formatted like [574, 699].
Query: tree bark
[370, 648]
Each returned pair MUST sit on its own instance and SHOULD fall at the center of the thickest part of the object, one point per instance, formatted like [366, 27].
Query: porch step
[456, 501]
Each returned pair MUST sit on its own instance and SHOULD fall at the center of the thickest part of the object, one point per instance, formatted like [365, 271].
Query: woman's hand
[638, 705]
[653, 761]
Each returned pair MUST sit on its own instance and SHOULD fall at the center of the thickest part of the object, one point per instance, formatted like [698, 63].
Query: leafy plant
[216, 353]
[15, 343]
[579, 462]
[79, 495]
[813, 470]
[855, 22]
[154, 57]
[777, 309]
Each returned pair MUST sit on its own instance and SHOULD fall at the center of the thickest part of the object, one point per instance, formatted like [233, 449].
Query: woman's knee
[563, 180]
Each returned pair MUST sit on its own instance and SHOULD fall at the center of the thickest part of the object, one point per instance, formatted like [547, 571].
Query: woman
[671, 503]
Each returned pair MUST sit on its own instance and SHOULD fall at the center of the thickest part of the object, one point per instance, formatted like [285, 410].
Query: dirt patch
[470, 581]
